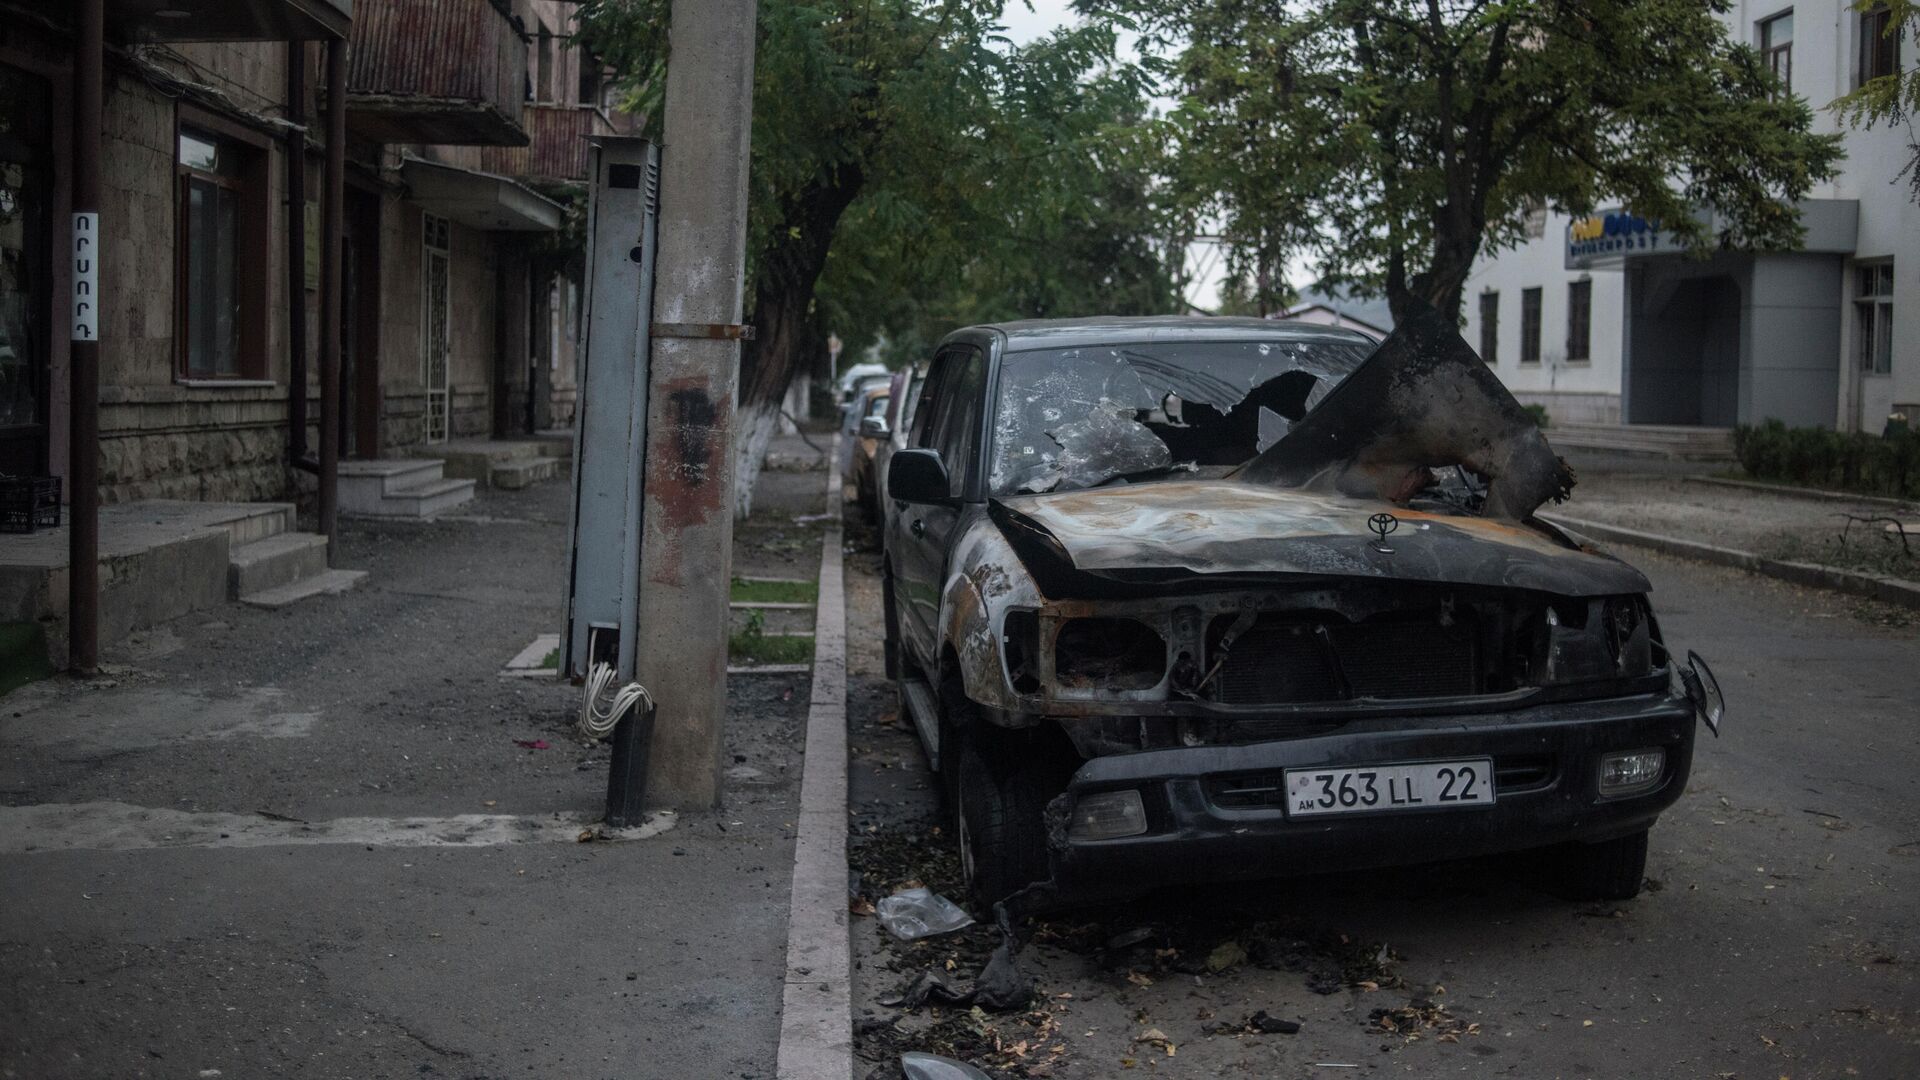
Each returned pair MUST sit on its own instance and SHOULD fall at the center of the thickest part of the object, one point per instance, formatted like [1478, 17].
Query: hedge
[1817, 457]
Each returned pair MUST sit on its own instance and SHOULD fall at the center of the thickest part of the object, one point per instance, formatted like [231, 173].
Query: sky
[1025, 24]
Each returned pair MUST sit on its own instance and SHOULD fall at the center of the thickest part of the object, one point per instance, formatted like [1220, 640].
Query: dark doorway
[360, 328]
[26, 269]
[1684, 363]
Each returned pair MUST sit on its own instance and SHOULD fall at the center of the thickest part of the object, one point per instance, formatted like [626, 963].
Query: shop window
[1579, 322]
[1776, 47]
[1529, 326]
[221, 256]
[1879, 44]
[1490, 327]
[1873, 317]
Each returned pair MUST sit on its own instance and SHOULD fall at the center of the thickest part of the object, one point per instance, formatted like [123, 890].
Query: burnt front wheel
[1609, 870]
[1001, 814]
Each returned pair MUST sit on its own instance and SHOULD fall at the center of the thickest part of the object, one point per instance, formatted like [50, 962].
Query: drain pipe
[83, 458]
[332, 195]
[297, 254]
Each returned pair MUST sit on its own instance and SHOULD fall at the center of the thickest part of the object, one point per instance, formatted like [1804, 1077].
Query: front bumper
[1546, 762]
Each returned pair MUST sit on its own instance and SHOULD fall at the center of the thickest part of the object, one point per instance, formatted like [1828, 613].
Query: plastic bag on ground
[920, 1066]
[912, 914]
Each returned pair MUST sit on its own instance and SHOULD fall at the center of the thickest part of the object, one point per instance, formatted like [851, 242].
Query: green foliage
[763, 591]
[1539, 414]
[1392, 140]
[1817, 457]
[912, 171]
[1890, 99]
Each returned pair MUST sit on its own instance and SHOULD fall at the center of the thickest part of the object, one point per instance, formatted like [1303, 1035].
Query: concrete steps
[400, 488]
[269, 565]
[325, 583]
[507, 464]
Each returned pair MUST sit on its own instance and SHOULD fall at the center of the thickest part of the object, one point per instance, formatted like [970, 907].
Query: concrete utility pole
[332, 196]
[686, 544]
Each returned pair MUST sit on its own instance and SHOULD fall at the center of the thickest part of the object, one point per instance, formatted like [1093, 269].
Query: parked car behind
[1181, 599]
[870, 431]
[903, 393]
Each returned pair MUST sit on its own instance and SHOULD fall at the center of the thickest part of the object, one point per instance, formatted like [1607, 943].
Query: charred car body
[1198, 599]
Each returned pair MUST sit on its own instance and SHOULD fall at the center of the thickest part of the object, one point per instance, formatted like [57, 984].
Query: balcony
[557, 152]
[198, 20]
[436, 71]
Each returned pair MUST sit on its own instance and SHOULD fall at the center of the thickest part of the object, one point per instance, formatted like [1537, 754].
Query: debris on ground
[531, 744]
[1021, 1046]
[912, 914]
[1419, 1019]
[933, 1067]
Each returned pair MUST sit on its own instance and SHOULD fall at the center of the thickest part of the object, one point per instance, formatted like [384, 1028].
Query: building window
[1873, 317]
[1879, 44]
[1490, 327]
[1529, 326]
[1776, 47]
[545, 85]
[222, 257]
[1579, 321]
[590, 76]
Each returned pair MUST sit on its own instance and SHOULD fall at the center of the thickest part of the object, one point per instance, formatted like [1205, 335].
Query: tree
[901, 145]
[1890, 99]
[1395, 140]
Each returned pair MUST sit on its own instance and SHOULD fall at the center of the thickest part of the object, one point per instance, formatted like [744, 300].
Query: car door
[948, 419]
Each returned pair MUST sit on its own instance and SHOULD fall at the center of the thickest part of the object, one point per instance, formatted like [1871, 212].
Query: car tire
[1001, 821]
[1609, 870]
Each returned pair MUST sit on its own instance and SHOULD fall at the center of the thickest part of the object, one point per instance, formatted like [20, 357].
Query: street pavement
[1777, 937]
[332, 842]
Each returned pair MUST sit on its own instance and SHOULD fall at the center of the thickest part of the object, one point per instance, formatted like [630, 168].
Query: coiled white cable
[598, 721]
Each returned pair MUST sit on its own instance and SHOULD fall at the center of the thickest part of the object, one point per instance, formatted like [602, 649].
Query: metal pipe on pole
[332, 196]
[686, 542]
[83, 468]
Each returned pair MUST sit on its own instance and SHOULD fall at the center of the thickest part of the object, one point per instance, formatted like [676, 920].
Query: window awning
[479, 200]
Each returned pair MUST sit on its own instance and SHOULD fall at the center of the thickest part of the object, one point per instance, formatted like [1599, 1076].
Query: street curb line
[816, 1005]
[1785, 491]
[1887, 590]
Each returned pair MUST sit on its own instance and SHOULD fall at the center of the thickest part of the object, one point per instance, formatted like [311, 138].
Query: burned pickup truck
[1181, 599]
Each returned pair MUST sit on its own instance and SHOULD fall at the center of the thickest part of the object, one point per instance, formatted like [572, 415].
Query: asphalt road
[1778, 937]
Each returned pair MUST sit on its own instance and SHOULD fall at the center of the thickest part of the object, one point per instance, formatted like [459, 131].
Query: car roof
[1032, 334]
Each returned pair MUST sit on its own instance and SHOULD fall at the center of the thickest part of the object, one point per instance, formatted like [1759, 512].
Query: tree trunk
[785, 337]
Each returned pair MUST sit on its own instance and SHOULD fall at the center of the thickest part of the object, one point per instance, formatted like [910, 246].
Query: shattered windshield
[1079, 418]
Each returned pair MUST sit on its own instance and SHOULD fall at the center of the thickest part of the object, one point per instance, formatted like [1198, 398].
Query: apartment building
[1602, 321]
[465, 148]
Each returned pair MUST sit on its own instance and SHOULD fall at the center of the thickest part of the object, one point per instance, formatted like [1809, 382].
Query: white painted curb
[816, 1009]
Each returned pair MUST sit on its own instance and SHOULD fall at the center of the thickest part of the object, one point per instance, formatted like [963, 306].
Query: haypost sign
[86, 277]
[1607, 237]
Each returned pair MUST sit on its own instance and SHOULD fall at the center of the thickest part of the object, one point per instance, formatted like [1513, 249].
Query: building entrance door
[26, 267]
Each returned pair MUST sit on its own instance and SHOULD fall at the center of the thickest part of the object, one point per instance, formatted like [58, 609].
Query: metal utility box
[610, 421]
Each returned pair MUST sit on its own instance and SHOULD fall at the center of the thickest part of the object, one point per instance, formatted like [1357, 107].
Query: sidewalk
[1797, 537]
[331, 841]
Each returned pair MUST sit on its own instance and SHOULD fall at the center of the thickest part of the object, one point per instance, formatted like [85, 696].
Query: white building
[1601, 321]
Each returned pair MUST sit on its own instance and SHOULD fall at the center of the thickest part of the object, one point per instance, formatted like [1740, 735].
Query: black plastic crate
[28, 503]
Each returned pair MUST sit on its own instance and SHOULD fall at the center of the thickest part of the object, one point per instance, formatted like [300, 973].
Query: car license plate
[1421, 785]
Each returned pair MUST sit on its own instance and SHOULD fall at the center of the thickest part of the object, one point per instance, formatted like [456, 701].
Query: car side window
[929, 404]
[957, 412]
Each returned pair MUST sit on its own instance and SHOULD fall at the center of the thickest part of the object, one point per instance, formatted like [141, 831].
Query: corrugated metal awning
[479, 200]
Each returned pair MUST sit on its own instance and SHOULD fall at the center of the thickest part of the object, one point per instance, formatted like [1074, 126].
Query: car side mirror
[1704, 691]
[918, 476]
[873, 427]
